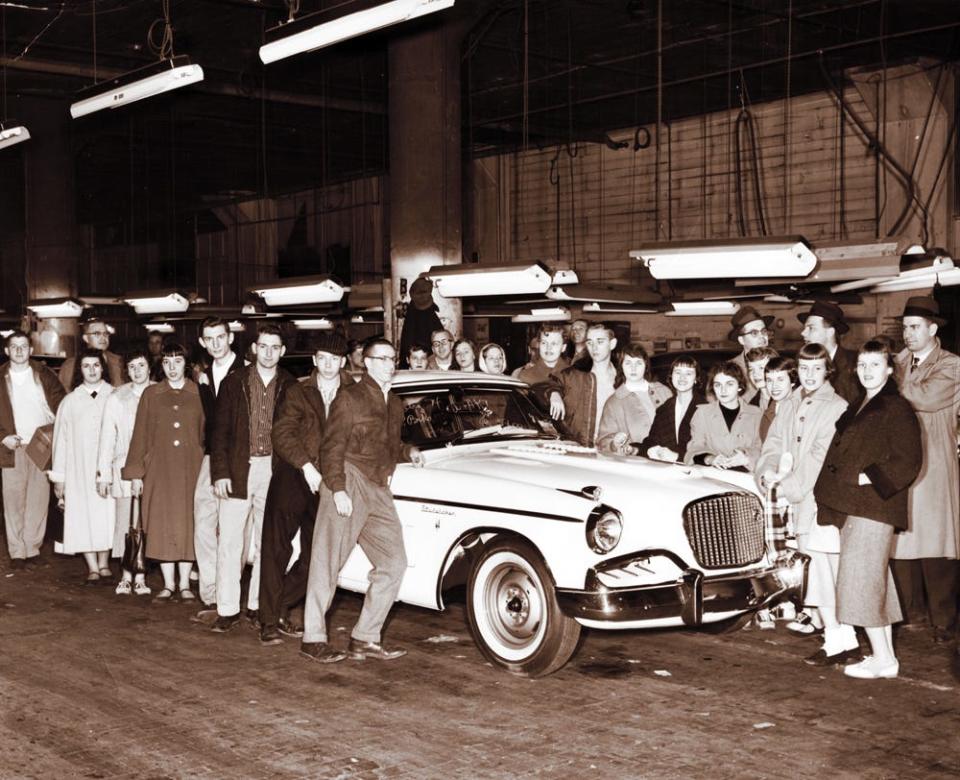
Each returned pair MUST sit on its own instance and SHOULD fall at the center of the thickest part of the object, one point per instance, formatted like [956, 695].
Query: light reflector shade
[300, 290]
[554, 314]
[948, 278]
[703, 309]
[321, 323]
[139, 84]
[768, 257]
[157, 303]
[13, 134]
[462, 281]
[159, 327]
[56, 308]
[349, 26]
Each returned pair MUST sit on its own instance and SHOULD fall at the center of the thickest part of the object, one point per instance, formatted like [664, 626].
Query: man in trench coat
[925, 556]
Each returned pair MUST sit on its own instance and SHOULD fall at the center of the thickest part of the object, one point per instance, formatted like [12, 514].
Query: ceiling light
[769, 257]
[555, 314]
[300, 290]
[159, 327]
[11, 133]
[599, 307]
[136, 85]
[315, 324]
[56, 308]
[948, 278]
[461, 281]
[346, 27]
[157, 302]
[236, 326]
[602, 293]
[5, 333]
[703, 309]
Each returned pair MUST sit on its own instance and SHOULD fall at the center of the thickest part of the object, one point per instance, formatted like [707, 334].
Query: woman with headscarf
[493, 360]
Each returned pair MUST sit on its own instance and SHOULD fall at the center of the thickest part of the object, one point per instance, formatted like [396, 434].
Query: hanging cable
[787, 129]
[656, 171]
[37, 37]
[93, 24]
[3, 33]
[164, 47]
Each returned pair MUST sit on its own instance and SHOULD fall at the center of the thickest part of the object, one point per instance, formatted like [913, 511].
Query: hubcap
[514, 606]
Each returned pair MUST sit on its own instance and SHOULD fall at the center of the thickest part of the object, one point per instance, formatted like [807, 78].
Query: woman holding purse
[875, 455]
[116, 431]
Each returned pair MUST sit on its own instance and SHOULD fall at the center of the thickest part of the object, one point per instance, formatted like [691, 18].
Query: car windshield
[438, 416]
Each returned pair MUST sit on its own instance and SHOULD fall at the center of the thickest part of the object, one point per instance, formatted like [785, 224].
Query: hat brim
[940, 321]
[840, 327]
[768, 320]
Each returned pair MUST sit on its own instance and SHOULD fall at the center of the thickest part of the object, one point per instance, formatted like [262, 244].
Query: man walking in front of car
[361, 447]
[29, 397]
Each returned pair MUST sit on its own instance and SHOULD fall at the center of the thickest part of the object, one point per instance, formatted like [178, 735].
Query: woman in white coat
[115, 433]
[804, 427]
[88, 518]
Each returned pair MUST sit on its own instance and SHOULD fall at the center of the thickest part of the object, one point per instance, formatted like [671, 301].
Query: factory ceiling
[534, 72]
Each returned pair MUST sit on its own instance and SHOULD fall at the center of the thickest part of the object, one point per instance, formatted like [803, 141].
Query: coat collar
[825, 392]
[906, 356]
[189, 387]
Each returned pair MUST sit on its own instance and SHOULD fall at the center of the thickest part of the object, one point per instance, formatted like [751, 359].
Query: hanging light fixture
[157, 302]
[766, 257]
[159, 327]
[11, 133]
[56, 308]
[346, 27]
[554, 314]
[321, 323]
[703, 309]
[300, 290]
[463, 281]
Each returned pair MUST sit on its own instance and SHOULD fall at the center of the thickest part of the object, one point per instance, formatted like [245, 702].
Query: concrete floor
[99, 686]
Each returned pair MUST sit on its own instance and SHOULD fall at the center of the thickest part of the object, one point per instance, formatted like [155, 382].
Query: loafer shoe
[289, 627]
[321, 652]
[820, 658]
[360, 650]
[224, 623]
[803, 624]
[269, 635]
[868, 670]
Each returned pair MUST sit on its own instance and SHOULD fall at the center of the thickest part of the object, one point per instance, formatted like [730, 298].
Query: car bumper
[692, 599]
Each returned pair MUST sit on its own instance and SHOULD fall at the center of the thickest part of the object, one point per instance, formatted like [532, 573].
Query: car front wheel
[513, 611]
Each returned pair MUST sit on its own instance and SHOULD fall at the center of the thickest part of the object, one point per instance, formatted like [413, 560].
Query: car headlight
[604, 528]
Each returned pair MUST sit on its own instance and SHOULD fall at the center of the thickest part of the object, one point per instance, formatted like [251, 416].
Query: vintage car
[549, 536]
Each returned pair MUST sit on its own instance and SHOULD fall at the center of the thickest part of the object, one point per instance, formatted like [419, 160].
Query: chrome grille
[725, 530]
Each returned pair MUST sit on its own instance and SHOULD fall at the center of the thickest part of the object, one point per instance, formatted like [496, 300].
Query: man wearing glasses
[96, 335]
[751, 330]
[442, 357]
[360, 449]
[29, 397]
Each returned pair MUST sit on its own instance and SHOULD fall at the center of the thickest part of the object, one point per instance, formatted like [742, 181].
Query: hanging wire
[3, 23]
[787, 128]
[37, 37]
[293, 8]
[164, 47]
[93, 22]
[525, 119]
[656, 170]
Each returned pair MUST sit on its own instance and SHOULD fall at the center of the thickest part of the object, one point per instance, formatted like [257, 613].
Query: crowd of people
[225, 464]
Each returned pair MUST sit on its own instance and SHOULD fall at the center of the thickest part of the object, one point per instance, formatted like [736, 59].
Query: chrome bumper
[690, 597]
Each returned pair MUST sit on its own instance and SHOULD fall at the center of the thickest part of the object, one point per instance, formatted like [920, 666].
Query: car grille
[725, 530]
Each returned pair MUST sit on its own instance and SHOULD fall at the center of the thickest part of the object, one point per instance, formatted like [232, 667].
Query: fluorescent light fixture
[365, 296]
[236, 326]
[159, 327]
[300, 290]
[349, 26]
[602, 293]
[56, 308]
[11, 133]
[321, 323]
[157, 302]
[136, 85]
[599, 307]
[948, 278]
[5, 333]
[767, 257]
[554, 314]
[462, 281]
[703, 309]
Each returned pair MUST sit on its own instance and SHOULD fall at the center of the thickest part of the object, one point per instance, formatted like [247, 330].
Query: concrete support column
[425, 163]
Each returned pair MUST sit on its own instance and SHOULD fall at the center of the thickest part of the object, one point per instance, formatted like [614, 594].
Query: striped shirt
[262, 401]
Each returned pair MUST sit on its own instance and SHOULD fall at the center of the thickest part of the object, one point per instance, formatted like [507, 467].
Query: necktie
[93, 394]
[914, 363]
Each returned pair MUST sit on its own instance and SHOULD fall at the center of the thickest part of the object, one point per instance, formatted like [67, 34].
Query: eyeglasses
[757, 332]
[384, 358]
[440, 342]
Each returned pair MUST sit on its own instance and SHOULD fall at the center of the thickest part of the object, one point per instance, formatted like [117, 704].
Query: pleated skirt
[866, 594]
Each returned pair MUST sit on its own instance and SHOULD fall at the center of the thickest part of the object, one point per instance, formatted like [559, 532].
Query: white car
[549, 536]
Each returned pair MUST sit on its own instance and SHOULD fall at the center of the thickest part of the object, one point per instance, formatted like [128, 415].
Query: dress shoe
[322, 652]
[803, 625]
[224, 623]
[289, 627]
[868, 669]
[359, 650]
[820, 658]
[269, 635]
[252, 616]
[943, 636]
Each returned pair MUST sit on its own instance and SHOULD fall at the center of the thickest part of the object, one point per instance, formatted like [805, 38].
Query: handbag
[40, 447]
[135, 542]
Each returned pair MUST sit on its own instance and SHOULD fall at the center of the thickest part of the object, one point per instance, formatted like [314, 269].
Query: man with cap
[421, 319]
[293, 496]
[751, 330]
[824, 324]
[925, 555]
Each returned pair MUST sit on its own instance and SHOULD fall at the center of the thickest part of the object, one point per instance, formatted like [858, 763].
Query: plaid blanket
[778, 524]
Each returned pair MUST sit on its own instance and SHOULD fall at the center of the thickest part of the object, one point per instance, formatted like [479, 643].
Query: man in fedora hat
[825, 324]
[751, 330]
[925, 555]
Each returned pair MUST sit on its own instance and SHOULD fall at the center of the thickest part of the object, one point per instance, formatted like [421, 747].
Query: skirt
[866, 595]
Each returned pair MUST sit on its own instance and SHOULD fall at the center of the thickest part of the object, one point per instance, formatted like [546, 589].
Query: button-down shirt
[262, 400]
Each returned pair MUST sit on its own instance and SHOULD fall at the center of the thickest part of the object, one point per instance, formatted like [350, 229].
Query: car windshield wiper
[493, 431]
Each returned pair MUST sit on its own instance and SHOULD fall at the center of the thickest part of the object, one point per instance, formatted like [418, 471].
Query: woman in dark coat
[670, 433]
[875, 456]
